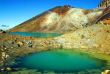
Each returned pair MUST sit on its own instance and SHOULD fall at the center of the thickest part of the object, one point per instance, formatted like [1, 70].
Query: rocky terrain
[83, 29]
[59, 20]
[12, 46]
[95, 38]
[105, 15]
[104, 3]
[1, 31]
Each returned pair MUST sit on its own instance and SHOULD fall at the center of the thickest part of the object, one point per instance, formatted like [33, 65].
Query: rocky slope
[105, 15]
[15, 45]
[93, 37]
[104, 3]
[59, 20]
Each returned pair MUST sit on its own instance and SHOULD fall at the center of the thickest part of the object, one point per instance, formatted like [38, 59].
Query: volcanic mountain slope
[105, 16]
[96, 36]
[59, 20]
[104, 3]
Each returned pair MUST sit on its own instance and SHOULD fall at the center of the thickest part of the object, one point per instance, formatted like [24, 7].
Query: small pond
[59, 61]
[40, 35]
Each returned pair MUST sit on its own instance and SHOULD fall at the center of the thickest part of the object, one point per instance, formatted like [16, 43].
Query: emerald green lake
[61, 60]
[57, 61]
[40, 35]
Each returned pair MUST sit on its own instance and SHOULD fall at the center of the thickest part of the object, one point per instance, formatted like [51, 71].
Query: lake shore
[93, 39]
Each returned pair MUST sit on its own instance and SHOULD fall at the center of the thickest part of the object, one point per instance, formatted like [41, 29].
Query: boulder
[1, 31]
[2, 69]
[106, 72]
[8, 68]
[30, 44]
[21, 43]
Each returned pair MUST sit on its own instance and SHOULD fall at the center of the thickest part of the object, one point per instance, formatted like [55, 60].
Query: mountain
[105, 17]
[60, 19]
[104, 3]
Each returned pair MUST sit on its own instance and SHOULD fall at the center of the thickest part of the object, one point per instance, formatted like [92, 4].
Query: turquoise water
[41, 35]
[59, 61]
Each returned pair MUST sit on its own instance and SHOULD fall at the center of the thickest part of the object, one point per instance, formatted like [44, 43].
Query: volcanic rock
[104, 3]
[1, 31]
[106, 72]
[59, 20]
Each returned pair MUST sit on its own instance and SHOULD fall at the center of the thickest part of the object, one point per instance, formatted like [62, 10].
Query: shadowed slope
[105, 15]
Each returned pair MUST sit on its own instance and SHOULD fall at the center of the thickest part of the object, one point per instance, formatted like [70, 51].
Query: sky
[14, 12]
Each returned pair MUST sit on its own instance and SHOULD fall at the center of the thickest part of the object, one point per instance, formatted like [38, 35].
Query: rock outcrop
[104, 3]
[105, 15]
[59, 20]
[1, 31]
[106, 72]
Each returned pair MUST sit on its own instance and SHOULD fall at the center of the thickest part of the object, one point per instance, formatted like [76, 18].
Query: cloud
[4, 25]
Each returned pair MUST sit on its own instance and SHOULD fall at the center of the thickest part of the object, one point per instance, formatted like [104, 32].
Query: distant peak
[67, 6]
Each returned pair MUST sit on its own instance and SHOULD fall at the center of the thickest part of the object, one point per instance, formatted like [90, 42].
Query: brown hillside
[58, 20]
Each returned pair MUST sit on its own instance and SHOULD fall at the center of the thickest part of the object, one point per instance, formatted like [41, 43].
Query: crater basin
[60, 60]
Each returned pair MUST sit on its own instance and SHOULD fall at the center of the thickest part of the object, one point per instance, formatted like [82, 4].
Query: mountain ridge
[58, 20]
[104, 3]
